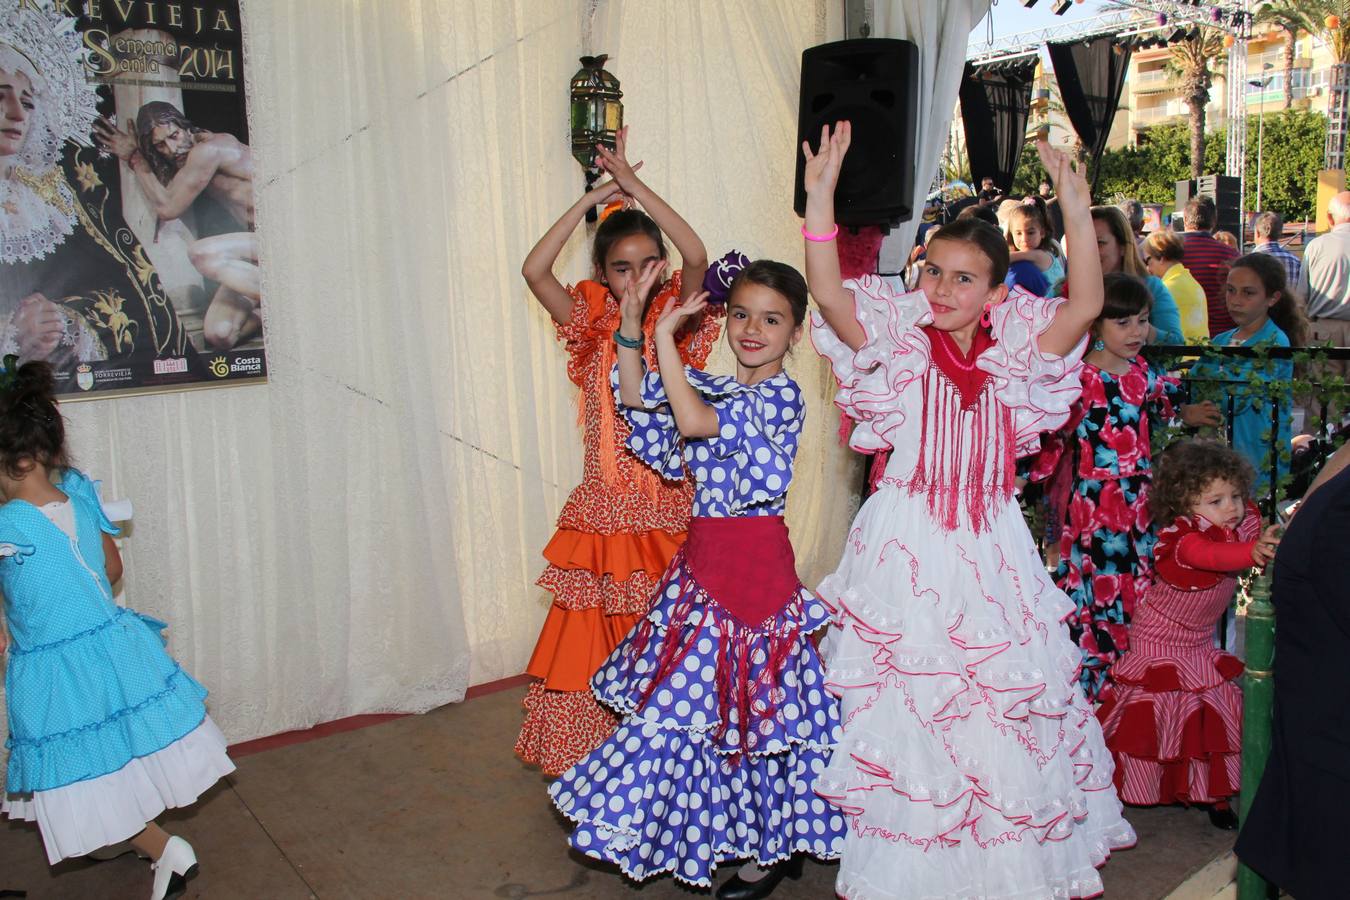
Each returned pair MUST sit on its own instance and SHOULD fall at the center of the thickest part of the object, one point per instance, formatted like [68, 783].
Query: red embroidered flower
[1143, 515]
[1081, 514]
[1072, 577]
[1112, 510]
[1094, 391]
[1134, 385]
[1120, 636]
[1125, 441]
[1105, 589]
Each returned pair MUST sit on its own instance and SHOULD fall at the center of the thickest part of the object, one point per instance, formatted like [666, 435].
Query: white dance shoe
[173, 869]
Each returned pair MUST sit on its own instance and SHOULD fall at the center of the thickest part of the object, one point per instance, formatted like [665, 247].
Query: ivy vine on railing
[1268, 382]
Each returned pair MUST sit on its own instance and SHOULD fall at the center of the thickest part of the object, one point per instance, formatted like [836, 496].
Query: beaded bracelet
[634, 344]
[821, 238]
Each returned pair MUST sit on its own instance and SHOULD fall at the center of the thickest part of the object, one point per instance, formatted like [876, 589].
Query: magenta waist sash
[745, 564]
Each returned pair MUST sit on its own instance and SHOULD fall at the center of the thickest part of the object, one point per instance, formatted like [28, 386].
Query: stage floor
[437, 806]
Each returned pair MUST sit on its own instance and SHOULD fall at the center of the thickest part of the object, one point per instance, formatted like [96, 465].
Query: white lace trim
[30, 227]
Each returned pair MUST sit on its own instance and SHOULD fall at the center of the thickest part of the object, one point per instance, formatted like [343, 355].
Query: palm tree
[1323, 14]
[1291, 17]
[1191, 62]
[1338, 38]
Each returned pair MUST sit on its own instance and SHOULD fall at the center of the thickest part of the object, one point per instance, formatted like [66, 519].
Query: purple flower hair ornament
[720, 274]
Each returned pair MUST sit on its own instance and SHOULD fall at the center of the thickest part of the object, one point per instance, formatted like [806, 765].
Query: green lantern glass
[597, 114]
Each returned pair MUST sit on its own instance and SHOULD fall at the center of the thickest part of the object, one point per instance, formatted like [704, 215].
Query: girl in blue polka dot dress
[726, 722]
[105, 730]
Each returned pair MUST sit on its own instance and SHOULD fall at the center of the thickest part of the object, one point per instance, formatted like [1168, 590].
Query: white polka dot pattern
[747, 467]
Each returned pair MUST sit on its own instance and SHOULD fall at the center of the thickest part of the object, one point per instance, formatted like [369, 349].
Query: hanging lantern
[1162, 19]
[1333, 22]
[1228, 40]
[597, 114]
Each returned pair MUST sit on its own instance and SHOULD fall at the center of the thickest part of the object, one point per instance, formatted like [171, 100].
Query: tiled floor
[437, 806]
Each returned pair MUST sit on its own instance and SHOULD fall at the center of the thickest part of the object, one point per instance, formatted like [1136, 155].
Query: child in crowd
[1174, 721]
[970, 765]
[1268, 314]
[623, 523]
[1029, 240]
[1106, 538]
[106, 731]
[726, 719]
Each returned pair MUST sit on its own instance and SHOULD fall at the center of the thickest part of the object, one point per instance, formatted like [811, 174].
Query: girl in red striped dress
[1174, 722]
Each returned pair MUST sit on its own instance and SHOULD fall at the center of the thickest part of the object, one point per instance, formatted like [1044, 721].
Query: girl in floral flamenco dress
[971, 764]
[727, 721]
[1174, 721]
[623, 523]
[1106, 538]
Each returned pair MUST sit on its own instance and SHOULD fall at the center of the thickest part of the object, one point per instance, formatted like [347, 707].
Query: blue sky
[1010, 17]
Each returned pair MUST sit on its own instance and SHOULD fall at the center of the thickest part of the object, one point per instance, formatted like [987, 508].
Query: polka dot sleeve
[655, 438]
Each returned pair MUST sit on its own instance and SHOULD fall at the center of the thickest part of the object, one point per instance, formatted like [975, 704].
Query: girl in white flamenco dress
[971, 764]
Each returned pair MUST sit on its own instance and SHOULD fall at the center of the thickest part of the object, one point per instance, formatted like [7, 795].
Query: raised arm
[1076, 314]
[693, 417]
[630, 330]
[693, 254]
[538, 266]
[822, 256]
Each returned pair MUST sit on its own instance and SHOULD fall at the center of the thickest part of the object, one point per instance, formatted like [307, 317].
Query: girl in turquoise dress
[106, 731]
[1268, 314]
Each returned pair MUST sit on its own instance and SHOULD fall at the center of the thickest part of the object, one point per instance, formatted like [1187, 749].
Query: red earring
[985, 319]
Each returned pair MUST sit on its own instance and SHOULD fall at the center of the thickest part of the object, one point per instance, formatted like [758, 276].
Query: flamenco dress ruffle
[106, 729]
[616, 534]
[698, 774]
[1174, 721]
[970, 764]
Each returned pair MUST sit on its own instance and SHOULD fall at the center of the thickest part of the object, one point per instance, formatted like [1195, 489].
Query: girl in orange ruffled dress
[623, 523]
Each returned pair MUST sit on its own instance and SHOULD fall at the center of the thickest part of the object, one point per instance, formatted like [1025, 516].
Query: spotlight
[1028, 3]
[1060, 7]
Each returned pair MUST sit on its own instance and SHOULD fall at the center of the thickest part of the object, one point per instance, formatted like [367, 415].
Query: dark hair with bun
[30, 424]
[780, 278]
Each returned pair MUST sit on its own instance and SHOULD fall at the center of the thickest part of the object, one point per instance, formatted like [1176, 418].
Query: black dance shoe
[739, 889]
[1223, 818]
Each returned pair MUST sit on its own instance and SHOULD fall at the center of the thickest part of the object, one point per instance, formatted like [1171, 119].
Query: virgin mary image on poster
[128, 259]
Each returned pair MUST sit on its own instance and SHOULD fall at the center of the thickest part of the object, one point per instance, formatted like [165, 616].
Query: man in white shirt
[1324, 282]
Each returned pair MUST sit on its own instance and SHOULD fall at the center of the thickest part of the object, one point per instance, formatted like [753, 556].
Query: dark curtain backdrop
[995, 102]
[1091, 75]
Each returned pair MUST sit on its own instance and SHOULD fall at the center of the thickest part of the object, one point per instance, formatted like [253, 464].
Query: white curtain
[941, 28]
[362, 533]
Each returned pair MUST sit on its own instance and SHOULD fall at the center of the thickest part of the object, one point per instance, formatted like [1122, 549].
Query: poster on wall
[128, 256]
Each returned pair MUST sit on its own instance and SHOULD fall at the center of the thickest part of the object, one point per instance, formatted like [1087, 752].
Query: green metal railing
[1258, 695]
[1258, 684]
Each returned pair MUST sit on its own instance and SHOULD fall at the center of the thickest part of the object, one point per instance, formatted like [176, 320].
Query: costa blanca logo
[170, 366]
[246, 365]
[219, 367]
[84, 376]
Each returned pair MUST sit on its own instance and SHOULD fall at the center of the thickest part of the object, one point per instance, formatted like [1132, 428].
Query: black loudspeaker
[874, 84]
[1224, 190]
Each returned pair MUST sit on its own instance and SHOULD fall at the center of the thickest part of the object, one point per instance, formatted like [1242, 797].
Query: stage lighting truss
[1166, 21]
[1230, 16]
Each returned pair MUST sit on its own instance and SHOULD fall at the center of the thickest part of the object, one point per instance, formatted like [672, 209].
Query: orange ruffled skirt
[602, 586]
